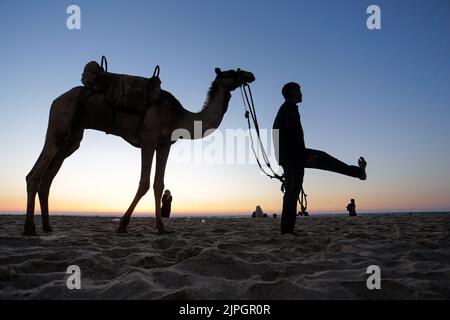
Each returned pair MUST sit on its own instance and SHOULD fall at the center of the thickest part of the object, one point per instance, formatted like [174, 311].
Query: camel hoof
[29, 232]
[164, 231]
[121, 230]
[47, 229]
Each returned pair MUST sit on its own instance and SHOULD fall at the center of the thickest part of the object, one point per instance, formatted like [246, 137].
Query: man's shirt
[290, 150]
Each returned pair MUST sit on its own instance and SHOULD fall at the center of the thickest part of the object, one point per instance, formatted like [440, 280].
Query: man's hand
[311, 160]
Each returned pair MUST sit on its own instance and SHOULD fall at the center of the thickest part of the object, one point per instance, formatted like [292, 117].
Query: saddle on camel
[127, 93]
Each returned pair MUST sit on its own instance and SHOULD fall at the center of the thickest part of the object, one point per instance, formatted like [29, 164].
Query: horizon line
[112, 213]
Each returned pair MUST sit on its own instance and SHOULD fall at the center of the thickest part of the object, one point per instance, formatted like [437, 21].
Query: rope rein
[250, 111]
[249, 106]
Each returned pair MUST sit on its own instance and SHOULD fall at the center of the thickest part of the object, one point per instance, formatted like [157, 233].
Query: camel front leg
[147, 151]
[162, 153]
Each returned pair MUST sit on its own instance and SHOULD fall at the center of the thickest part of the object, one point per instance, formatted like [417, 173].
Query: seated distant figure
[258, 213]
[166, 204]
[274, 215]
[351, 208]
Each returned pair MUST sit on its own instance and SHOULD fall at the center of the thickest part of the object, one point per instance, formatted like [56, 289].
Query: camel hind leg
[62, 116]
[52, 171]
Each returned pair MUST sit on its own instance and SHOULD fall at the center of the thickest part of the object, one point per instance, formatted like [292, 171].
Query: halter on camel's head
[233, 79]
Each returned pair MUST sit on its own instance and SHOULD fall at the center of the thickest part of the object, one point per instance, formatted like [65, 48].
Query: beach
[228, 258]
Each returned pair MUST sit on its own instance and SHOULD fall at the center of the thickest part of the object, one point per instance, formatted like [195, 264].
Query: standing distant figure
[258, 213]
[166, 204]
[351, 208]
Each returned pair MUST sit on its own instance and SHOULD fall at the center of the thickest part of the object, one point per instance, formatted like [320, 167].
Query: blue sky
[382, 94]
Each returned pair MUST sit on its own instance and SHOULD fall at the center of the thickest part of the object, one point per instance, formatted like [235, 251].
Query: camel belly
[97, 115]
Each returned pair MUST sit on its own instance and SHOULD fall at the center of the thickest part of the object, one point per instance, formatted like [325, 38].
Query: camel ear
[218, 71]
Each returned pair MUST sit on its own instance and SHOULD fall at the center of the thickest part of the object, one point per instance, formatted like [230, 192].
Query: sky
[382, 94]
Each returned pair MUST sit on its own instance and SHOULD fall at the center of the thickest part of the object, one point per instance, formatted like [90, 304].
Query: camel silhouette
[80, 108]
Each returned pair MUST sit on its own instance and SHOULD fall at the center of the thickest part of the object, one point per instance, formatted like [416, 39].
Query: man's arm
[294, 133]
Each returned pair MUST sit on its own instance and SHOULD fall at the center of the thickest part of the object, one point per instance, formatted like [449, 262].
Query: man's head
[291, 92]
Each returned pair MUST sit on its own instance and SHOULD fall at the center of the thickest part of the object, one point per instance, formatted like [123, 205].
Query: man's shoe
[289, 232]
[362, 163]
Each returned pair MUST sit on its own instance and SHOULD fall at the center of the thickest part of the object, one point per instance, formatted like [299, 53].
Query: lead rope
[247, 99]
[249, 110]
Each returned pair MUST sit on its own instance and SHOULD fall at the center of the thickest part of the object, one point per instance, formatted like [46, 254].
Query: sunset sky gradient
[382, 94]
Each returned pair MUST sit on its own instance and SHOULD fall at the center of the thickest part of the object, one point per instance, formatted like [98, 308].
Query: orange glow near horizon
[102, 177]
[185, 206]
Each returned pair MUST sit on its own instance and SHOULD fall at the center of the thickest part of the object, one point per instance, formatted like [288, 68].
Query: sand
[228, 258]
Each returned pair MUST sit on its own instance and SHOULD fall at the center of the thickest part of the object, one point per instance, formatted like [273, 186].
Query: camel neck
[203, 123]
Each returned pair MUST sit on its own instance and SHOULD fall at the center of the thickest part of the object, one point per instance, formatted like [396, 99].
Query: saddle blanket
[124, 92]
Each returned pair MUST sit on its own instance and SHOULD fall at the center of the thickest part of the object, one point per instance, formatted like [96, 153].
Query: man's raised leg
[317, 159]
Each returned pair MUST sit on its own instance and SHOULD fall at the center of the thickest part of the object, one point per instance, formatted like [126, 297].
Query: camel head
[232, 79]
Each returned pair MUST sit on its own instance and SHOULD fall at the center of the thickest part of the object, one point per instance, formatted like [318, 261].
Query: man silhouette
[293, 156]
[291, 153]
[351, 208]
